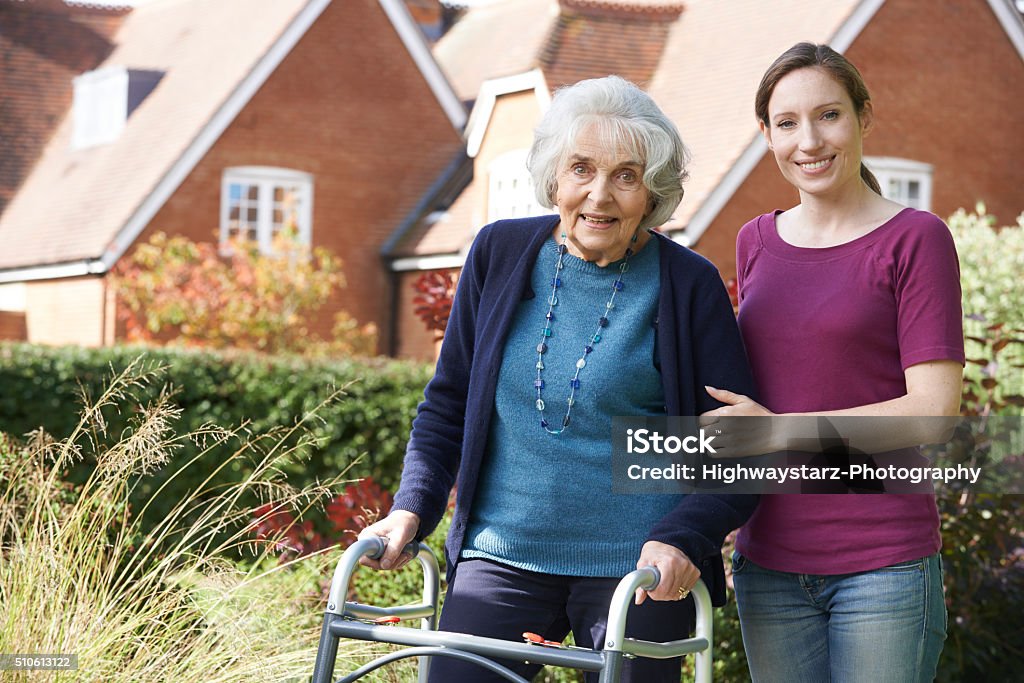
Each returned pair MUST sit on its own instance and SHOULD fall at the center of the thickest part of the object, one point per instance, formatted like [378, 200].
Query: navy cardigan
[697, 343]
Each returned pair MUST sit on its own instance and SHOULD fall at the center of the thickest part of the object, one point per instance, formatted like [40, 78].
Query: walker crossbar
[433, 652]
[588, 660]
[342, 620]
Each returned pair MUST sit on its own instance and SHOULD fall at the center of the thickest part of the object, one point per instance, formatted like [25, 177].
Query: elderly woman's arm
[689, 539]
[435, 444]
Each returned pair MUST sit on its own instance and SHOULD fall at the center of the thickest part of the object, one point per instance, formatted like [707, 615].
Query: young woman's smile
[815, 132]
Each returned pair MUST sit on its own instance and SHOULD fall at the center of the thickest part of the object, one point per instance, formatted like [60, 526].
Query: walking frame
[344, 619]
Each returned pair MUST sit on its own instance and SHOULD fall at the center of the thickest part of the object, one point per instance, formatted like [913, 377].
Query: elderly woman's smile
[601, 199]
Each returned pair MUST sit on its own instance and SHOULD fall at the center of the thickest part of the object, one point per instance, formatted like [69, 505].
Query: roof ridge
[661, 8]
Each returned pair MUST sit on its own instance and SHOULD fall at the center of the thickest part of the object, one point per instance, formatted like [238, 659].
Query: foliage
[983, 555]
[364, 435]
[983, 533]
[991, 261]
[172, 287]
[344, 515]
[79, 575]
[435, 291]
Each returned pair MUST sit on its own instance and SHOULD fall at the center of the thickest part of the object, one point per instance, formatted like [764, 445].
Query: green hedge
[363, 432]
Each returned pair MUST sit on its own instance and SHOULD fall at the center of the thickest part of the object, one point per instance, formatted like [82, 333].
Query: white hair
[625, 118]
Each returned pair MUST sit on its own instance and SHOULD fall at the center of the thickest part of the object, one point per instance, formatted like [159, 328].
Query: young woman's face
[601, 199]
[815, 133]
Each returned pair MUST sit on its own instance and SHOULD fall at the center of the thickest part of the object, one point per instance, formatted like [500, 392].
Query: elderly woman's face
[601, 199]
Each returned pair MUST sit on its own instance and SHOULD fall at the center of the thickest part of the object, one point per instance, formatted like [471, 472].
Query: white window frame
[266, 179]
[902, 172]
[100, 107]
[503, 202]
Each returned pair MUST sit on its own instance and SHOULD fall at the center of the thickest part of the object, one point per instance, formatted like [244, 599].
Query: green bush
[362, 435]
[991, 263]
[983, 534]
[78, 575]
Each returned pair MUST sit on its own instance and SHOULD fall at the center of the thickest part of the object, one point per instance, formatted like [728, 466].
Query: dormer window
[103, 101]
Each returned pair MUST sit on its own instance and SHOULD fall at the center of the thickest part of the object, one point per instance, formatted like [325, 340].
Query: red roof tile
[593, 39]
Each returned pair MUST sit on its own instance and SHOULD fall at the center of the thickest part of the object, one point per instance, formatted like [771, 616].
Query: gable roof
[79, 210]
[719, 124]
[710, 55]
[494, 40]
[709, 74]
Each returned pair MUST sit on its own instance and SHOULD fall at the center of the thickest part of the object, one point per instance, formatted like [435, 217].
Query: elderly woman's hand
[678, 574]
[399, 528]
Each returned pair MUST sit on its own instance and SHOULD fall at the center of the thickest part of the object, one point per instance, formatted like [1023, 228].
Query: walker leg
[326, 652]
[612, 670]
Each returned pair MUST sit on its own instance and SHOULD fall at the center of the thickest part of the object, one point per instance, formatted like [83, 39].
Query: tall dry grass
[78, 575]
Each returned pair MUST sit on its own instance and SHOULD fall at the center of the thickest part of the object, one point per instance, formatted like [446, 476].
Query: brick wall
[13, 325]
[954, 104]
[415, 341]
[349, 106]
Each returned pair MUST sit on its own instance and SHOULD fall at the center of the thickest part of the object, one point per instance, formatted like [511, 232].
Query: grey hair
[626, 117]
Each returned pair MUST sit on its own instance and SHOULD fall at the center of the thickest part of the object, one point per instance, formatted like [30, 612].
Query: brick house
[196, 118]
[946, 78]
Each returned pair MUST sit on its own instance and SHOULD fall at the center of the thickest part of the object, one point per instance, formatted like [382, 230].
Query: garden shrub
[79, 575]
[363, 435]
[991, 263]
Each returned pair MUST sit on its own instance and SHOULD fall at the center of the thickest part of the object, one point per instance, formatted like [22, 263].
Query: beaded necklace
[588, 348]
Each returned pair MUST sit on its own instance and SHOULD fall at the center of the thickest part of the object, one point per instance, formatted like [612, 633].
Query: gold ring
[683, 592]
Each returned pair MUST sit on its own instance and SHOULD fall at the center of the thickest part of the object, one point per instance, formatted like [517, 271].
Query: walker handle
[374, 553]
[655, 579]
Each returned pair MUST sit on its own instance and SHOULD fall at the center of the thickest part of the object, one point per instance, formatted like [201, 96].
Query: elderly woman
[561, 322]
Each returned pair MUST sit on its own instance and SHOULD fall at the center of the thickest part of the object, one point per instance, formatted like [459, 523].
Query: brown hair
[804, 55]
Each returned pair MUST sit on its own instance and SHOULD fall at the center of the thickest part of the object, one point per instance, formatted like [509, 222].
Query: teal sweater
[545, 502]
[696, 343]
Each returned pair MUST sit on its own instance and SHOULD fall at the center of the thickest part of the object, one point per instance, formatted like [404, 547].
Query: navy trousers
[491, 599]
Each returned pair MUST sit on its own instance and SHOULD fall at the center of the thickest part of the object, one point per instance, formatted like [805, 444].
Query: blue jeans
[882, 626]
[491, 599]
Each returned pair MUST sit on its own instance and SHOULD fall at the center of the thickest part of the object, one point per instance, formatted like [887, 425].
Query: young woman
[849, 305]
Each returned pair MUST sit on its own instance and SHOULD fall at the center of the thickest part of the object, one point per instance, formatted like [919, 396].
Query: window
[259, 202]
[510, 192]
[103, 101]
[100, 106]
[904, 181]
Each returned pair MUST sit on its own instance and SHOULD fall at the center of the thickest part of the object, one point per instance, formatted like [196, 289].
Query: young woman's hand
[735, 437]
[399, 528]
[736, 405]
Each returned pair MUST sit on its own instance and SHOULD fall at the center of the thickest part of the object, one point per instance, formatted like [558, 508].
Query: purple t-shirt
[832, 328]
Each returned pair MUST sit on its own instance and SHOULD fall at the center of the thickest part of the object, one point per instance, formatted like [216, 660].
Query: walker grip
[412, 548]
